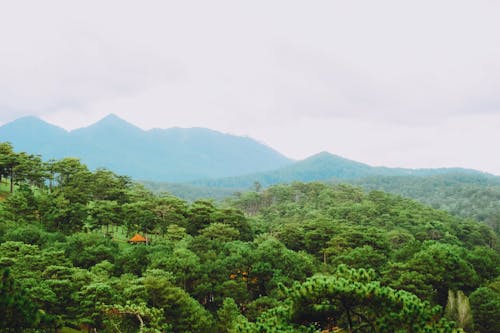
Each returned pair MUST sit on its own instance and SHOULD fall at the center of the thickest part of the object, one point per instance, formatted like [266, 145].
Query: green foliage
[272, 261]
[28, 234]
[20, 206]
[275, 320]
[200, 216]
[17, 312]
[443, 268]
[180, 310]
[90, 298]
[228, 316]
[133, 260]
[485, 304]
[133, 318]
[86, 250]
[349, 300]
[467, 195]
[486, 262]
[259, 306]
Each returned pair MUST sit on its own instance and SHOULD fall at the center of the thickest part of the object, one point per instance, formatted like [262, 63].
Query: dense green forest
[190, 192]
[465, 195]
[305, 257]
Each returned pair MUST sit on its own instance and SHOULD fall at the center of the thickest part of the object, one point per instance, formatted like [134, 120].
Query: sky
[395, 83]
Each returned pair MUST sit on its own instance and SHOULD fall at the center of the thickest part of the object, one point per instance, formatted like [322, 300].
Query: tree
[274, 264]
[443, 269]
[8, 160]
[485, 304]
[17, 312]
[227, 316]
[133, 318]
[169, 211]
[234, 218]
[175, 232]
[257, 307]
[139, 216]
[486, 262]
[108, 186]
[219, 233]
[90, 298]
[199, 215]
[275, 320]
[103, 213]
[86, 250]
[361, 257]
[134, 259]
[184, 264]
[352, 300]
[21, 206]
[30, 170]
[182, 312]
[74, 180]
[57, 213]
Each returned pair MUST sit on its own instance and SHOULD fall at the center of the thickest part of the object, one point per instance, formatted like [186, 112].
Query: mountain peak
[32, 135]
[324, 153]
[113, 116]
[110, 122]
[32, 123]
[27, 118]
[113, 119]
[327, 156]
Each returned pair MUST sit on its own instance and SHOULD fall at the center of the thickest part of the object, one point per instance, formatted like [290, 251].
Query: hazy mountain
[321, 167]
[175, 154]
[32, 134]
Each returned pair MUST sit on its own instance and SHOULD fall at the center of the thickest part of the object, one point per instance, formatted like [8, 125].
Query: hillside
[174, 155]
[465, 195]
[281, 260]
[191, 192]
[321, 167]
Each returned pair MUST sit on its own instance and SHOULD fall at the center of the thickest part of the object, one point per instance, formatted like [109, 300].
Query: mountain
[32, 134]
[321, 167]
[174, 154]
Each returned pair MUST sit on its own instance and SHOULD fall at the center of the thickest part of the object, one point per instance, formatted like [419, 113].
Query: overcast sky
[395, 83]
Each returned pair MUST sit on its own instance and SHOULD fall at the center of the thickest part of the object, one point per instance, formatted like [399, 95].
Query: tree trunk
[11, 180]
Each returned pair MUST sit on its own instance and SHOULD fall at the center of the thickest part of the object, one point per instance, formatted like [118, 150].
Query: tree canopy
[303, 257]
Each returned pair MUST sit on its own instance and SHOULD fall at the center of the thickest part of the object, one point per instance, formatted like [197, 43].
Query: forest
[299, 257]
[472, 196]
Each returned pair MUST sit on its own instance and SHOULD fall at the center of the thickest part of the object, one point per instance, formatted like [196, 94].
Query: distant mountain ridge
[192, 157]
[174, 154]
[321, 167]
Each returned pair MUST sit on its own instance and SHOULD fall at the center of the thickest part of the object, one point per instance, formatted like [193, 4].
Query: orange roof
[137, 239]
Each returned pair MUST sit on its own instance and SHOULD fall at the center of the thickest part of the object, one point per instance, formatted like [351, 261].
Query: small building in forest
[138, 239]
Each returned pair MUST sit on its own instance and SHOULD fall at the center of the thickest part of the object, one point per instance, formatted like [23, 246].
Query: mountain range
[194, 163]
[196, 157]
[174, 154]
[321, 167]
